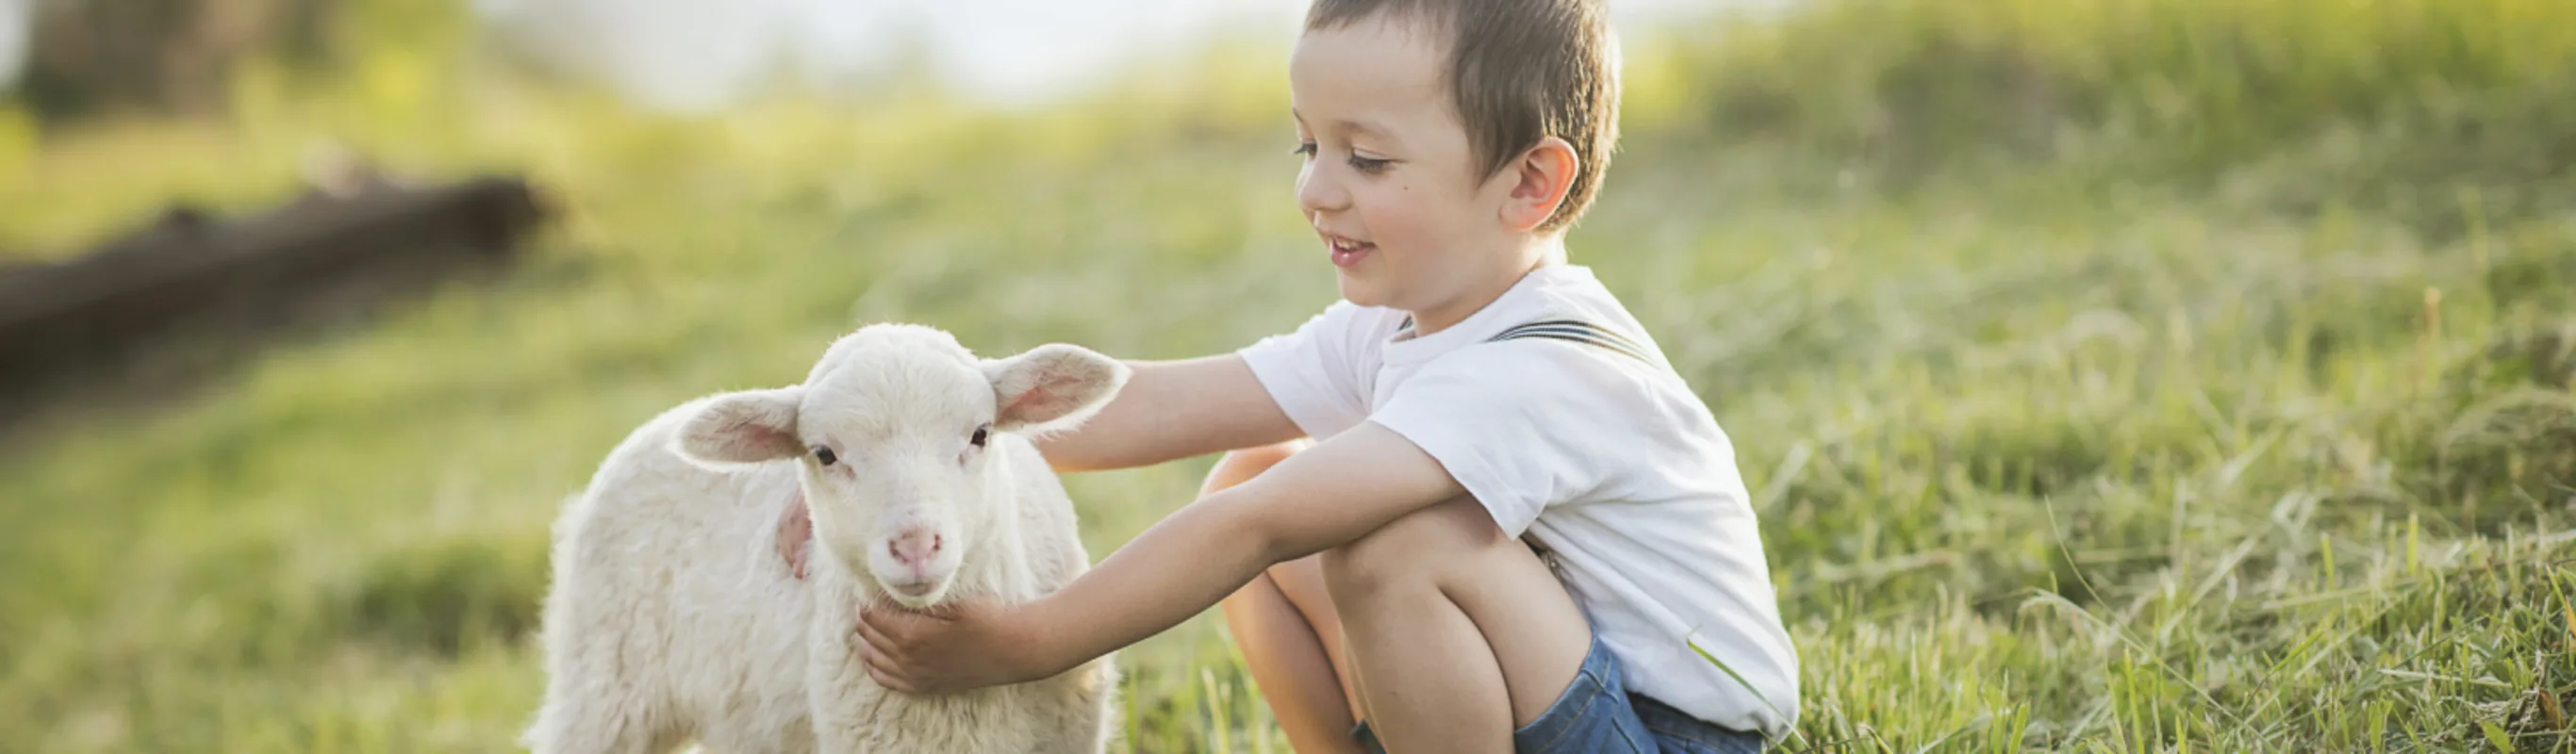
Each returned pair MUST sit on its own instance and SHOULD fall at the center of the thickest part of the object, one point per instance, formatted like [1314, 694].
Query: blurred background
[2112, 375]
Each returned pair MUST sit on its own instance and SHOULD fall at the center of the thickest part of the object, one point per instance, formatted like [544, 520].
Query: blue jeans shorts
[1597, 714]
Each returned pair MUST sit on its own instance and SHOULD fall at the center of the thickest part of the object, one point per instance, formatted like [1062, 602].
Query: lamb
[671, 619]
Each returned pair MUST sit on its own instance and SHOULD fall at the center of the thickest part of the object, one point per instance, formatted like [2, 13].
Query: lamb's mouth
[911, 593]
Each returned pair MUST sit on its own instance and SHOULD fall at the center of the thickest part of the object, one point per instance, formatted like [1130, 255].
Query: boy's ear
[1539, 178]
[1051, 387]
[742, 428]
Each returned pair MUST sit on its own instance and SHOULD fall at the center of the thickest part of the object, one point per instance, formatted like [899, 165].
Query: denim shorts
[1597, 714]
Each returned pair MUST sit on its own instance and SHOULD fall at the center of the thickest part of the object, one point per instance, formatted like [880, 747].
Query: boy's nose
[1317, 192]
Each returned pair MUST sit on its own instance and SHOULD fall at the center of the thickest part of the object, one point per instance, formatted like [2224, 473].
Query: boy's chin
[1358, 291]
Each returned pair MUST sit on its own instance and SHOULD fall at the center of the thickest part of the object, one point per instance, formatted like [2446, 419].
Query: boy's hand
[1177, 568]
[795, 535]
[960, 646]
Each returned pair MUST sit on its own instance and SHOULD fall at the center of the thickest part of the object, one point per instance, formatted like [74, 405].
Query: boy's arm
[1168, 410]
[1171, 410]
[1329, 495]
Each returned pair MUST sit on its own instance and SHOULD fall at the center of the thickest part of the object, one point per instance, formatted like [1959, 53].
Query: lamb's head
[890, 432]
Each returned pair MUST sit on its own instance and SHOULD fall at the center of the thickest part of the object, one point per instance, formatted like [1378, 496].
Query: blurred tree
[93, 57]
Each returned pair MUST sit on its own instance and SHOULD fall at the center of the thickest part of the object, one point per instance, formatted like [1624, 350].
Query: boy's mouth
[1347, 252]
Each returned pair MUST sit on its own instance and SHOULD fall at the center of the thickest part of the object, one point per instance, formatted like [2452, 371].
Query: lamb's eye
[981, 434]
[824, 455]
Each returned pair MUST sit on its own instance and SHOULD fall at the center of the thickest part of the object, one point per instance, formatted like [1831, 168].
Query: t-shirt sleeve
[1319, 373]
[1519, 425]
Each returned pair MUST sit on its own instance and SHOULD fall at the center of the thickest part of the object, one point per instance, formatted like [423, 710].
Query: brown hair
[1519, 71]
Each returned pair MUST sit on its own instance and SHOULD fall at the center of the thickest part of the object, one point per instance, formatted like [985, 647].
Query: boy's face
[1388, 180]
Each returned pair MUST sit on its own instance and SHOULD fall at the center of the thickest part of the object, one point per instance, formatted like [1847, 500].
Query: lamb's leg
[588, 709]
[593, 703]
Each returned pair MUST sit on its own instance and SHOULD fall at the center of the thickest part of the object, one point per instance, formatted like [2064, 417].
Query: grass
[2138, 442]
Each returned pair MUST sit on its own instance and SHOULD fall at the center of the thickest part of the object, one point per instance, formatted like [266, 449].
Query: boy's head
[1441, 133]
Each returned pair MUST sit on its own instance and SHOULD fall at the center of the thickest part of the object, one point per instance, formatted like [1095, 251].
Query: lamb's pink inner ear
[759, 436]
[1051, 384]
[1027, 402]
[747, 427]
[1043, 399]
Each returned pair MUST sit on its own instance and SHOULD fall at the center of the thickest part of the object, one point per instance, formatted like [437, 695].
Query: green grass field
[2113, 375]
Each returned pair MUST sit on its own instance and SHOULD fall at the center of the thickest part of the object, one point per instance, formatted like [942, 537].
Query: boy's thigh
[1452, 556]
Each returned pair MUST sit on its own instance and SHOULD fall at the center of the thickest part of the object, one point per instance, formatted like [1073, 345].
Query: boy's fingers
[870, 657]
[875, 637]
[881, 668]
[888, 680]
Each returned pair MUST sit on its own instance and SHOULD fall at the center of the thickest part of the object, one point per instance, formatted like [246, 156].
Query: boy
[1516, 526]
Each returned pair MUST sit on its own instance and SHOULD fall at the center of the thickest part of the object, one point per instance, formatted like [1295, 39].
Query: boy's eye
[1369, 164]
[1305, 148]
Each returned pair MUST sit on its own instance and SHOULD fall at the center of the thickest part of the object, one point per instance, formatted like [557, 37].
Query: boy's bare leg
[1292, 660]
[1456, 634]
[1302, 582]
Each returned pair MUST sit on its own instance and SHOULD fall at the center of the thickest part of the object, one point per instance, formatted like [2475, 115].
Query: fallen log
[193, 270]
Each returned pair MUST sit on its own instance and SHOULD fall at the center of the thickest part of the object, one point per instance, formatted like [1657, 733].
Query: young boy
[1515, 528]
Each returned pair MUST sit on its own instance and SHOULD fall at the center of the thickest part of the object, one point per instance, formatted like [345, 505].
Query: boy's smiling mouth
[1346, 252]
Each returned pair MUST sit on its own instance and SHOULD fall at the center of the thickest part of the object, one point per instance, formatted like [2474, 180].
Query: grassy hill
[2113, 375]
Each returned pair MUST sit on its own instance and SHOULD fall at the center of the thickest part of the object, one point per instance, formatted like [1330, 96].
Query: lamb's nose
[915, 548]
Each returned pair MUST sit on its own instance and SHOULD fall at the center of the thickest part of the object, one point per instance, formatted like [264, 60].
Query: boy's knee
[1301, 579]
[1239, 466]
[1417, 549]
[1353, 572]
[1258, 589]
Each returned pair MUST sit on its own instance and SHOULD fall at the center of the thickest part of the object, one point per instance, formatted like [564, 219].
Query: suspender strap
[1577, 331]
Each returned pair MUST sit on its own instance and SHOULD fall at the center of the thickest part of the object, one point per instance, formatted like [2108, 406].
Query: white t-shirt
[1603, 457]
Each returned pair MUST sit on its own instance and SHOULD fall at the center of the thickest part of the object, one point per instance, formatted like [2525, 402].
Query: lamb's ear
[1051, 387]
[746, 427]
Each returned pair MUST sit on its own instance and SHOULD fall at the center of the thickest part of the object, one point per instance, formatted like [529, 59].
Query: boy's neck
[1537, 252]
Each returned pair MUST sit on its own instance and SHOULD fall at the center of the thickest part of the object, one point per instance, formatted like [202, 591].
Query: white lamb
[672, 618]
